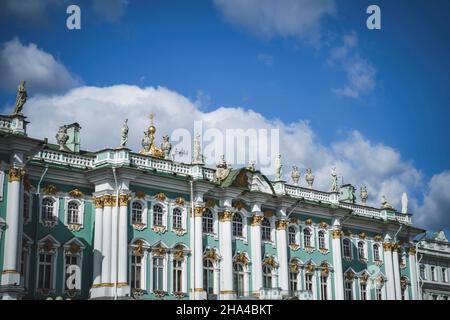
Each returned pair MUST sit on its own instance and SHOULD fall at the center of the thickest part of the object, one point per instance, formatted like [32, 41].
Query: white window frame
[80, 261]
[297, 233]
[364, 247]
[54, 254]
[46, 223]
[325, 236]
[350, 257]
[244, 226]
[272, 234]
[164, 214]
[312, 239]
[183, 218]
[184, 274]
[213, 222]
[380, 253]
[144, 223]
[444, 274]
[144, 262]
[80, 211]
[165, 261]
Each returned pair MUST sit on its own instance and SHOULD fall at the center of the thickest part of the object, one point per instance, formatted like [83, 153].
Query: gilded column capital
[225, 216]
[15, 174]
[395, 247]
[123, 200]
[257, 220]
[387, 246]
[281, 224]
[108, 200]
[198, 211]
[98, 202]
[336, 233]
[412, 251]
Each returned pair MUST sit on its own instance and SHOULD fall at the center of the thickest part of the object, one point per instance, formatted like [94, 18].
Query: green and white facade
[143, 227]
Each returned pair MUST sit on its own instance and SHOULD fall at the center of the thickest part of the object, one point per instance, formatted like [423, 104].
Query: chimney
[73, 131]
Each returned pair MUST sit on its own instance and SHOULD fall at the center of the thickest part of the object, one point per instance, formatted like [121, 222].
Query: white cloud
[361, 75]
[28, 10]
[42, 72]
[265, 59]
[100, 111]
[435, 211]
[286, 18]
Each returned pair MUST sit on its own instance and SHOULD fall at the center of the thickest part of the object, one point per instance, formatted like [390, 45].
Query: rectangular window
[23, 268]
[379, 293]
[324, 288]
[309, 282]
[433, 273]
[177, 276]
[348, 290]
[45, 272]
[363, 289]
[70, 260]
[293, 282]
[444, 274]
[136, 267]
[158, 274]
[423, 274]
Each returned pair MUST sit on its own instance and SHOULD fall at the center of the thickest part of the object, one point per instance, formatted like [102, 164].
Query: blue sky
[215, 57]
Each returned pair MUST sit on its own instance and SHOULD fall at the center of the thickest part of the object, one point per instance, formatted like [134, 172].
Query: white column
[123, 245]
[396, 267]
[388, 264]
[413, 271]
[106, 240]
[226, 292]
[282, 256]
[98, 241]
[256, 253]
[199, 291]
[337, 263]
[11, 272]
[114, 242]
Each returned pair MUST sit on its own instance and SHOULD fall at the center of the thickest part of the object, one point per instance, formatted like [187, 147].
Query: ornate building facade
[120, 224]
[434, 265]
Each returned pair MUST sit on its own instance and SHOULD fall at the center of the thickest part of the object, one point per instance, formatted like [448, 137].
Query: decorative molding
[323, 225]
[257, 220]
[336, 234]
[98, 202]
[282, 224]
[139, 226]
[210, 203]
[108, 200]
[140, 194]
[123, 200]
[268, 214]
[387, 246]
[161, 197]
[15, 174]
[75, 227]
[378, 238]
[198, 212]
[362, 236]
[50, 190]
[159, 229]
[294, 247]
[180, 201]
[308, 222]
[225, 216]
[75, 193]
[241, 258]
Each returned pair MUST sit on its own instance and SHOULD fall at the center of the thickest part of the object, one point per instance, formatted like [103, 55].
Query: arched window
[158, 273]
[293, 279]
[237, 225]
[73, 213]
[361, 251]
[136, 213]
[307, 237]
[157, 215]
[347, 248]
[207, 221]
[292, 232]
[208, 276]
[267, 276]
[376, 252]
[322, 243]
[238, 279]
[177, 218]
[177, 276]
[265, 230]
[47, 209]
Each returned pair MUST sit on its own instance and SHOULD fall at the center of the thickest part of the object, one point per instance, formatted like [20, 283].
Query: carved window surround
[49, 222]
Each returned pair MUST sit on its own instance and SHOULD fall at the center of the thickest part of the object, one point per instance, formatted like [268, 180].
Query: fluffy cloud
[361, 75]
[286, 18]
[40, 69]
[435, 211]
[101, 111]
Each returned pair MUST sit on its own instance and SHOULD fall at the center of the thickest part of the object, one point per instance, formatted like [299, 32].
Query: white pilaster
[199, 291]
[225, 219]
[337, 263]
[11, 272]
[98, 242]
[282, 256]
[389, 270]
[413, 271]
[256, 250]
[114, 243]
[396, 266]
[106, 241]
[122, 281]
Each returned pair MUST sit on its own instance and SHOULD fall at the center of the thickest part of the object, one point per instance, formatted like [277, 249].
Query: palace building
[118, 224]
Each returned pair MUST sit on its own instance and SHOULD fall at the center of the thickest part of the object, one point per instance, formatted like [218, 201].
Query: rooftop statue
[385, 204]
[364, 195]
[124, 133]
[295, 175]
[62, 137]
[197, 157]
[21, 98]
[309, 177]
[334, 181]
[222, 170]
[148, 146]
[278, 169]
[251, 166]
[404, 203]
[166, 146]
